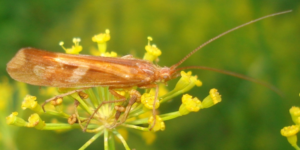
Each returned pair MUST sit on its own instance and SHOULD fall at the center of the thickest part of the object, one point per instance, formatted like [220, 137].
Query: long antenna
[224, 33]
[234, 75]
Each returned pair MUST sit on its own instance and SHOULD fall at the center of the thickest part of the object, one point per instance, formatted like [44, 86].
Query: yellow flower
[152, 51]
[159, 124]
[31, 103]
[102, 37]
[148, 98]
[189, 104]
[35, 121]
[213, 98]
[295, 114]
[295, 111]
[76, 48]
[187, 81]
[290, 133]
[12, 119]
[289, 130]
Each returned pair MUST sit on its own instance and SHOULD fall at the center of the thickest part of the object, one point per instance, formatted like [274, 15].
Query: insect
[42, 68]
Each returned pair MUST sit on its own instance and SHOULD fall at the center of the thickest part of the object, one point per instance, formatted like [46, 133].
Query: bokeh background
[250, 115]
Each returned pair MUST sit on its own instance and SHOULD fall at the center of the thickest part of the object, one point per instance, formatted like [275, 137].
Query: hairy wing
[44, 68]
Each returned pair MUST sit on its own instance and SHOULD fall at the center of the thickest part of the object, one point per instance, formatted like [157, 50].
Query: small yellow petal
[212, 99]
[148, 98]
[295, 111]
[31, 103]
[152, 51]
[189, 104]
[290, 133]
[214, 94]
[35, 121]
[289, 130]
[12, 119]
[102, 37]
[159, 124]
[75, 49]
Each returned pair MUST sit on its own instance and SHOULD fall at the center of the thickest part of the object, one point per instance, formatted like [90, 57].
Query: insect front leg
[153, 110]
[154, 102]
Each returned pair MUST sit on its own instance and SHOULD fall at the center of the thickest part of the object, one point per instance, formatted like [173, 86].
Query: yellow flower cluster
[75, 49]
[152, 52]
[290, 132]
[103, 111]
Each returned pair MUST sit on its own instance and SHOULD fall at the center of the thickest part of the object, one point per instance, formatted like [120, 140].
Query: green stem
[121, 139]
[102, 47]
[90, 141]
[296, 147]
[139, 121]
[82, 103]
[107, 141]
[135, 127]
[170, 116]
[92, 97]
[59, 114]
[60, 126]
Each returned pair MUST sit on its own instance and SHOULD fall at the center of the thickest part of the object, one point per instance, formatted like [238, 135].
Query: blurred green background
[250, 115]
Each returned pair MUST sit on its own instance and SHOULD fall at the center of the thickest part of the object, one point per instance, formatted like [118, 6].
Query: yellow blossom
[290, 133]
[102, 37]
[75, 49]
[162, 89]
[295, 111]
[187, 81]
[35, 121]
[213, 98]
[295, 114]
[111, 54]
[148, 98]
[31, 103]
[152, 51]
[189, 104]
[12, 119]
[289, 130]
[159, 124]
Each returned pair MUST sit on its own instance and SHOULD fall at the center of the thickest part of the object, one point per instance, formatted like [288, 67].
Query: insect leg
[135, 96]
[61, 96]
[122, 99]
[76, 103]
[154, 102]
[153, 110]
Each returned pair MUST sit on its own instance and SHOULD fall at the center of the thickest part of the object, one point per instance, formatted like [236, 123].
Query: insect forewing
[44, 68]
